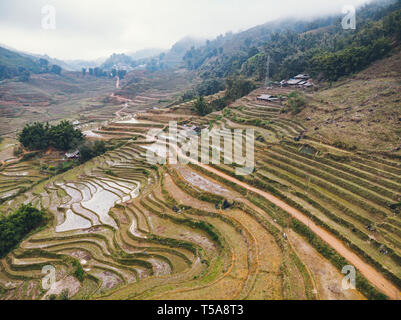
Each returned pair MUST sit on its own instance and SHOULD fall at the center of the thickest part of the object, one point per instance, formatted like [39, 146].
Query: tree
[24, 74]
[89, 150]
[209, 87]
[99, 148]
[121, 73]
[34, 136]
[84, 71]
[238, 87]
[85, 153]
[202, 107]
[55, 69]
[44, 64]
[64, 136]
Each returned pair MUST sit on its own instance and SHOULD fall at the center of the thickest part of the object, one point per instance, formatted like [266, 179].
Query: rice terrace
[300, 194]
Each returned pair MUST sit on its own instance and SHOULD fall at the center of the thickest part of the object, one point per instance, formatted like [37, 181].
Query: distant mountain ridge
[154, 59]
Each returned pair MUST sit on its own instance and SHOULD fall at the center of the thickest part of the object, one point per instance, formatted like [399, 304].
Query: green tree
[35, 136]
[55, 69]
[238, 87]
[64, 136]
[202, 107]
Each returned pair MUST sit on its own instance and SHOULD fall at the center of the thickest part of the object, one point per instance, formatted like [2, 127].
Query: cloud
[94, 28]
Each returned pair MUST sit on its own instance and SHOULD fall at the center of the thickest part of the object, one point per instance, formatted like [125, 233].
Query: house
[267, 97]
[72, 155]
[308, 84]
[302, 77]
[283, 83]
[293, 82]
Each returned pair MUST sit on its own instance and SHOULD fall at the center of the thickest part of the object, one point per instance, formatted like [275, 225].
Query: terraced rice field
[16, 177]
[144, 231]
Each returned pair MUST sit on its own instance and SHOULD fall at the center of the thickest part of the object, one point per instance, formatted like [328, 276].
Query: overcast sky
[89, 29]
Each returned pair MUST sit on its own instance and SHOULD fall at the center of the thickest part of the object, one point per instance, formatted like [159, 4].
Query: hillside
[49, 97]
[13, 64]
[363, 111]
[321, 47]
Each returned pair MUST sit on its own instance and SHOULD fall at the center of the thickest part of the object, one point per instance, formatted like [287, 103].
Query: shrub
[89, 150]
[202, 107]
[64, 295]
[78, 270]
[296, 101]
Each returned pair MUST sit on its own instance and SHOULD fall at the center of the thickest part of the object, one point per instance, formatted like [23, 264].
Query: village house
[302, 77]
[267, 97]
[72, 155]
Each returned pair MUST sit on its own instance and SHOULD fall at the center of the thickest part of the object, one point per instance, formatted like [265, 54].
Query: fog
[96, 28]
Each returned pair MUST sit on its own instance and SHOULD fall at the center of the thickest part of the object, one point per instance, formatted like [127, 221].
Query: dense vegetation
[39, 136]
[15, 227]
[205, 88]
[327, 53]
[235, 88]
[14, 65]
[89, 150]
[202, 107]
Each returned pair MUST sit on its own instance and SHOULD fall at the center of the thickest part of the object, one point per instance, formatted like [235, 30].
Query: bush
[65, 295]
[78, 271]
[202, 107]
[90, 150]
[109, 172]
[17, 151]
[296, 101]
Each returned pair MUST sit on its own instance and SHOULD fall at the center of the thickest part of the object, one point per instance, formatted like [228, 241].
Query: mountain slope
[12, 64]
[363, 111]
[321, 47]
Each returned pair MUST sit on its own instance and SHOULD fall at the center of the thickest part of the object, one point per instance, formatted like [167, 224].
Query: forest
[321, 48]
